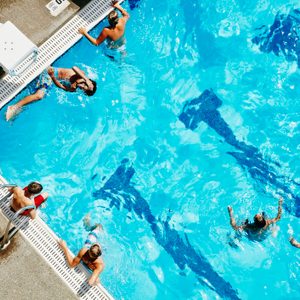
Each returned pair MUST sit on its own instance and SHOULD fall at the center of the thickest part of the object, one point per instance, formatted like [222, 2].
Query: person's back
[116, 29]
[25, 197]
[19, 199]
[114, 34]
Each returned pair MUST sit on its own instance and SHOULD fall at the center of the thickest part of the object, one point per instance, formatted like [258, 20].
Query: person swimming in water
[90, 254]
[294, 242]
[260, 224]
[114, 34]
[67, 79]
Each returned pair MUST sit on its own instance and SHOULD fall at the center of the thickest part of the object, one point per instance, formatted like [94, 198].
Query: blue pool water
[201, 114]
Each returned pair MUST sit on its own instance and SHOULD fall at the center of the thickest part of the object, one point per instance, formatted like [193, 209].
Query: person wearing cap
[30, 195]
[89, 254]
[114, 34]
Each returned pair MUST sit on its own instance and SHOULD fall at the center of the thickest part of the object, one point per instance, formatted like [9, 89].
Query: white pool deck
[36, 232]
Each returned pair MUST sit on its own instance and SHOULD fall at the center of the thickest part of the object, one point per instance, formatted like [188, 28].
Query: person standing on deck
[114, 34]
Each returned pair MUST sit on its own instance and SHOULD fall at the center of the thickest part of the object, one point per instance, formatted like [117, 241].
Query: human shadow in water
[205, 109]
[281, 37]
[120, 193]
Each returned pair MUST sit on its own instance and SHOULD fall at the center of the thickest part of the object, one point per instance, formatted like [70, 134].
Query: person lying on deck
[90, 254]
[67, 79]
[114, 34]
[260, 224]
[30, 195]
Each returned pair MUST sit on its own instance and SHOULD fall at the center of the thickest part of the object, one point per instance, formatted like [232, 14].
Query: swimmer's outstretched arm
[294, 242]
[94, 278]
[232, 220]
[100, 39]
[72, 262]
[278, 217]
[124, 13]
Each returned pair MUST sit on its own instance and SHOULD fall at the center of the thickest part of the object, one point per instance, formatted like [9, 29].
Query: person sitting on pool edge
[67, 79]
[30, 195]
[90, 254]
[260, 224]
[114, 34]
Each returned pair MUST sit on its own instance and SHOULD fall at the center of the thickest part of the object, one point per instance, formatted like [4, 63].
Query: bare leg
[87, 224]
[13, 110]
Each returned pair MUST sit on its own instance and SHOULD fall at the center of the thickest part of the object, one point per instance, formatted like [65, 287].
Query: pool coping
[88, 17]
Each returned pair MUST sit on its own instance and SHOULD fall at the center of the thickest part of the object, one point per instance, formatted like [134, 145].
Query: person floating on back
[67, 79]
[30, 195]
[260, 224]
[114, 34]
[90, 254]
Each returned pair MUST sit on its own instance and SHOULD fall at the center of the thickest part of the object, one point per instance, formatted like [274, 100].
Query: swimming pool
[159, 178]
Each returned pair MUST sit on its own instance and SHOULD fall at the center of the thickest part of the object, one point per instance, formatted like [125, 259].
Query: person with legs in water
[67, 79]
[114, 34]
[89, 254]
[260, 224]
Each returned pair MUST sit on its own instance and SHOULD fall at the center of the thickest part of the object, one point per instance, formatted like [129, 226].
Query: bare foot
[87, 222]
[12, 111]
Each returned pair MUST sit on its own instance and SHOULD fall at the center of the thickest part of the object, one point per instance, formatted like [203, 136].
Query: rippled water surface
[160, 185]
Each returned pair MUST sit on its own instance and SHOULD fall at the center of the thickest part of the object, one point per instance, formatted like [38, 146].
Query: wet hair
[113, 18]
[95, 251]
[34, 187]
[257, 224]
[93, 91]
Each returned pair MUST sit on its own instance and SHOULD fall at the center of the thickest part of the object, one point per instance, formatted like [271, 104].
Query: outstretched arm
[72, 262]
[232, 220]
[94, 278]
[103, 35]
[294, 242]
[278, 217]
[124, 13]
